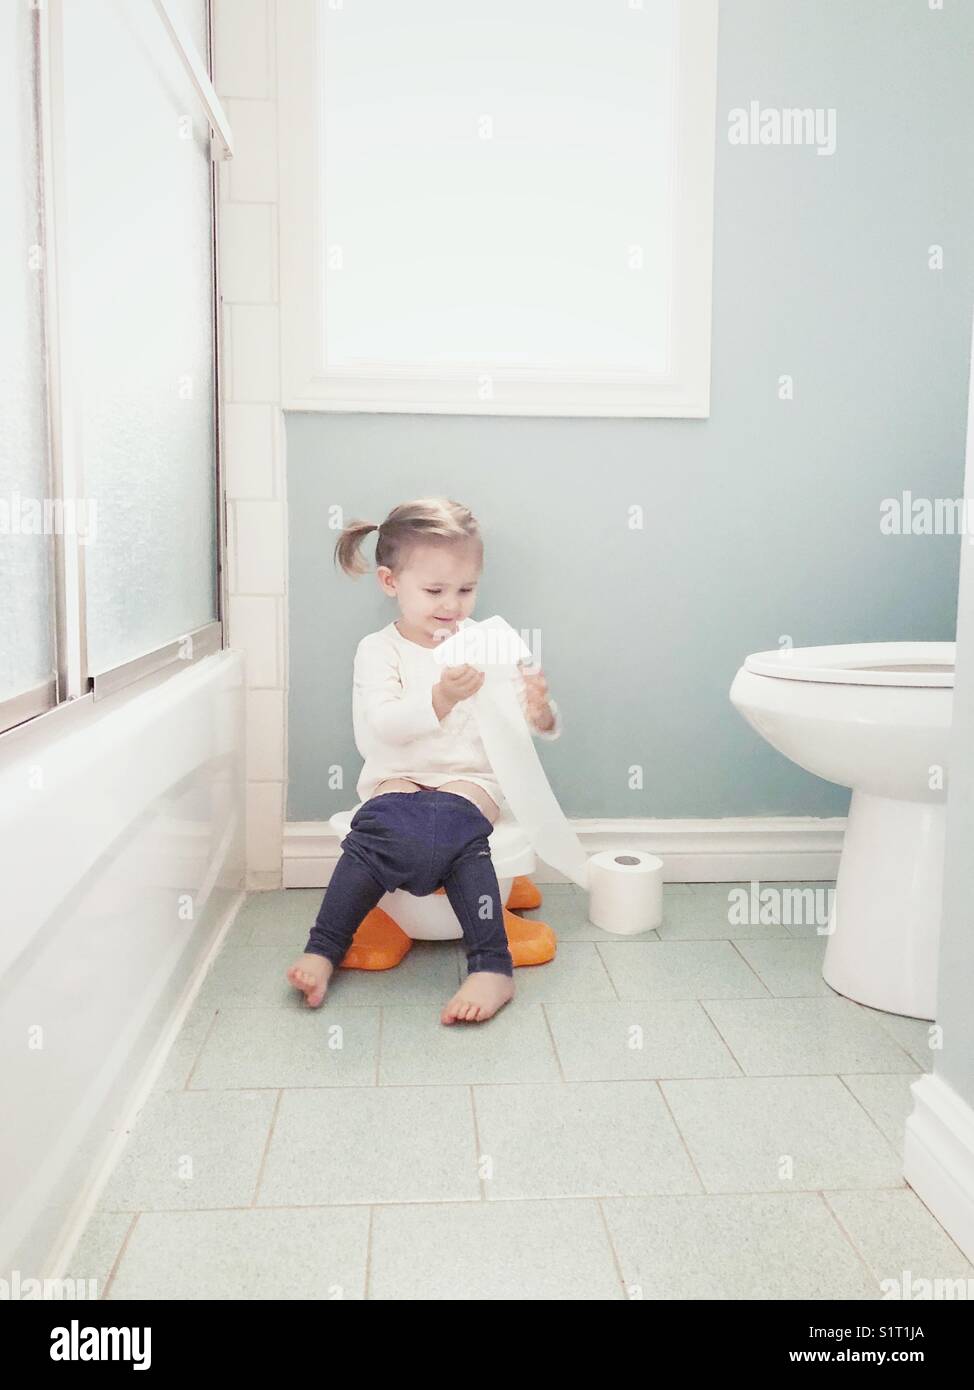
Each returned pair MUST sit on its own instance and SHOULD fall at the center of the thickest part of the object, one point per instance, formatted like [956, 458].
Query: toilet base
[884, 930]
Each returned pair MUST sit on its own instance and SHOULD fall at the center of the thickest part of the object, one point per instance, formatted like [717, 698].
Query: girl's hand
[459, 683]
[539, 712]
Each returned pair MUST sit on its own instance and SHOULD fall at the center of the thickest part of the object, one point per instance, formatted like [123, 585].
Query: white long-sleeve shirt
[397, 730]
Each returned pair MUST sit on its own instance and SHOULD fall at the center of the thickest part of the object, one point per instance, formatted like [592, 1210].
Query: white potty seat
[432, 918]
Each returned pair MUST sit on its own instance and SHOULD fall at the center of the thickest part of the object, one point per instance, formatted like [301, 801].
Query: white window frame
[308, 385]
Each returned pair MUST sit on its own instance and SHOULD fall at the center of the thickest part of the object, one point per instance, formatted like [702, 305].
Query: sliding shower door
[110, 490]
[141, 322]
[27, 650]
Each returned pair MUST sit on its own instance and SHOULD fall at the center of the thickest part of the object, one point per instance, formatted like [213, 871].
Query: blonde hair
[410, 524]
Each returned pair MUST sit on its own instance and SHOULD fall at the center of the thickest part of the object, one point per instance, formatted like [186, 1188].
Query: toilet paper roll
[625, 891]
[494, 647]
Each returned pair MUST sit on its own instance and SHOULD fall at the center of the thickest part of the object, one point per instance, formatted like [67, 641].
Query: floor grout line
[847, 1235]
[536, 1081]
[378, 1048]
[682, 1137]
[554, 1044]
[195, 1063]
[368, 1253]
[372, 1202]
[716, 1028]
[113, 1270]
[768, 991]
[477, 1155]
[616, 1257]
[267, 1145]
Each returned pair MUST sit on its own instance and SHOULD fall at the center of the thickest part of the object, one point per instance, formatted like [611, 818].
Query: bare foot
[311, 975]
[479, 997]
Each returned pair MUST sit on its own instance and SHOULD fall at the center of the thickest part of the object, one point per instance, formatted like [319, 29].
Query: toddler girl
[430, 795]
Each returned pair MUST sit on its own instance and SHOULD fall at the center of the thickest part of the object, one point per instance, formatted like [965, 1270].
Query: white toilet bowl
[874, 717]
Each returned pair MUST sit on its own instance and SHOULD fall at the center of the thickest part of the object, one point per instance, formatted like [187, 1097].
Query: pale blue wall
[762, 520]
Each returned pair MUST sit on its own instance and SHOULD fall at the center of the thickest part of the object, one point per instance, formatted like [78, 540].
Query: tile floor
[691, 1113]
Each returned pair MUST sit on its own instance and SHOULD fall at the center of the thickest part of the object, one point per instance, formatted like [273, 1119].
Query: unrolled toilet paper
[625, 891]
[625, 888]
[495, 648]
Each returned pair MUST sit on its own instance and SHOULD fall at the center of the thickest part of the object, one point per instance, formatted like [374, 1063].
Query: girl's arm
[556, 728]
[393, 714]
[538, 705]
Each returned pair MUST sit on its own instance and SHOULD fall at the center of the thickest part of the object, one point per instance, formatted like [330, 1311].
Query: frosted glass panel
[497, 183]
[139, 228]
[27, 656]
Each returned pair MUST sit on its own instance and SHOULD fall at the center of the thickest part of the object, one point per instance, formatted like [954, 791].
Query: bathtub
[122, 850]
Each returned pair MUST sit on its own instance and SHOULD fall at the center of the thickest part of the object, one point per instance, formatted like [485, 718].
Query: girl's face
[436, 589]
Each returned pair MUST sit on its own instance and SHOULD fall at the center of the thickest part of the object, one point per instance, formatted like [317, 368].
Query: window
[501, 208]
[110, 522]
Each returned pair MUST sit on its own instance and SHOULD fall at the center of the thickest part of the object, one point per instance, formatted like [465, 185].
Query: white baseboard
[938, 1157]
[734, 850]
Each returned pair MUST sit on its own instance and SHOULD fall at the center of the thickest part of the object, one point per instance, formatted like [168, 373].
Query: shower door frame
[72, 685]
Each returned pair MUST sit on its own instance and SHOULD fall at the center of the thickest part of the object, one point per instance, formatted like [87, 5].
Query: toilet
[875, 717]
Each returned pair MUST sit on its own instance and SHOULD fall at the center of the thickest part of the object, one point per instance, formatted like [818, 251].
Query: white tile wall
[243, 48]
[248, 257]
[250, 447]
[255, 628]
[259, 538]
[254, 329]
[253, 169]
[265, 735]
[265, 807]
[246, 82]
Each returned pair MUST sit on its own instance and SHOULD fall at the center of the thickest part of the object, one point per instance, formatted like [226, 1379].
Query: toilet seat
[899, 664]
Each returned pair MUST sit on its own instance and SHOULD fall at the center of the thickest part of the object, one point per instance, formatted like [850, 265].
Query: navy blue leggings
[416, 841]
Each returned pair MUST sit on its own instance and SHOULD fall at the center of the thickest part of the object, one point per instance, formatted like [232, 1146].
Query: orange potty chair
[400, 918]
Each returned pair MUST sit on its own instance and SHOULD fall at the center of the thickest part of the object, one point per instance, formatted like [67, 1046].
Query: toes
[460, 1010]
[455, 1011]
